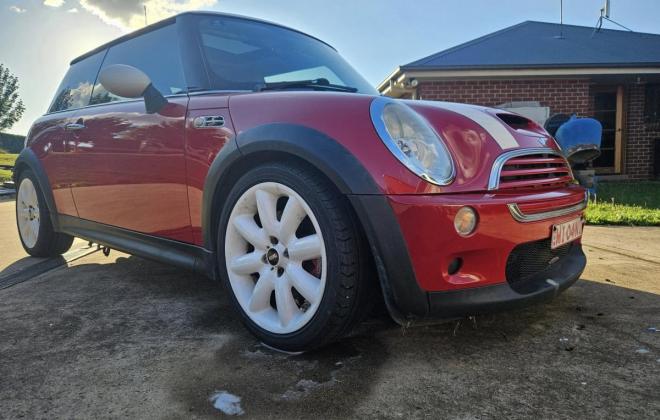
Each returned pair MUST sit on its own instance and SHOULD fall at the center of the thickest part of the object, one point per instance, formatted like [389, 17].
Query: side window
[156, 53]
[76, 88]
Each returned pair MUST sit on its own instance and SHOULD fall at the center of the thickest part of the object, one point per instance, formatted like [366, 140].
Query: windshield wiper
[321, 83]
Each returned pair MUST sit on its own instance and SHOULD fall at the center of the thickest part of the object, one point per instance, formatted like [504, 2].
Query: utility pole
[145, 15]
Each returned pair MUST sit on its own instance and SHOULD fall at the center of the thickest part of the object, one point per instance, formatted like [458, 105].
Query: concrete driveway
[125, 337]
[13, 258]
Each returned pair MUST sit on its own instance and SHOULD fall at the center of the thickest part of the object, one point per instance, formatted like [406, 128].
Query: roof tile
[538, 44]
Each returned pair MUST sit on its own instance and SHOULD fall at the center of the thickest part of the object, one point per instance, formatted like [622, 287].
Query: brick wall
[561, 95]
[640, 136]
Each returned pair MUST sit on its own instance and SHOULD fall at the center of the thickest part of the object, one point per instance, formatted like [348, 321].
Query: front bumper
[413, 241]
[544, 286]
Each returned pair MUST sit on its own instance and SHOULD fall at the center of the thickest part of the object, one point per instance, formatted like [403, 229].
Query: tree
[11, 106]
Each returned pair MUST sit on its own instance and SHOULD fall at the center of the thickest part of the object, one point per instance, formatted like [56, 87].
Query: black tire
[49, 243]
[349, 282]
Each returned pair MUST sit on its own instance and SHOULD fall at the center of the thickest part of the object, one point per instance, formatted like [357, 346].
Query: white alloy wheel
[275, 257]
[27, 212]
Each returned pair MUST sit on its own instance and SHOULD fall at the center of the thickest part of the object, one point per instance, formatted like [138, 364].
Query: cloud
[53, 3]
[129, 14]
[72, 10]
[16, 9]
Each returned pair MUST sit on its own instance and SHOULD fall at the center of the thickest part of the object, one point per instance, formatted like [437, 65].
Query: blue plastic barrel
[579, 139]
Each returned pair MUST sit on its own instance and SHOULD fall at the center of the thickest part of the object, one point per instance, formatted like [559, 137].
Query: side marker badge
[212, 121]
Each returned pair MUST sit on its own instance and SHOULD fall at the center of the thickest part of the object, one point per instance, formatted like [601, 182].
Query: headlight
[412, 140]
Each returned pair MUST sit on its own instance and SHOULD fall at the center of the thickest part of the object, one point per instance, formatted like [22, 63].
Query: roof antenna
[605, 15]
[561, 20]
[145, 15]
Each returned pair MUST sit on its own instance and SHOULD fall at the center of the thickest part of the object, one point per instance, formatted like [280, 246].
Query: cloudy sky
[38, 38]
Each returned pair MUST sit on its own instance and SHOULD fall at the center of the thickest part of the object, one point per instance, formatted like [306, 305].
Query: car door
[130, 165]
[50, 137]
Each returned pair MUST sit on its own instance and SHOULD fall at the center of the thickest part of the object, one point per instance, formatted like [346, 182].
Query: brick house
[611, 75]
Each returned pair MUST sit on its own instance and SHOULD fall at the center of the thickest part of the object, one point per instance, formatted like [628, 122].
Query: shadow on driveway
[127, 337]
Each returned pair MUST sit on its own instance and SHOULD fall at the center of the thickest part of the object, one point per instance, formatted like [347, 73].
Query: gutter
[401, 81]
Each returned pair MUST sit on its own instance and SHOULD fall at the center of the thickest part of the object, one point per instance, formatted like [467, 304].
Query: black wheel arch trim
[216, 178]
[321, 151]
[28, 159]
[404, 299]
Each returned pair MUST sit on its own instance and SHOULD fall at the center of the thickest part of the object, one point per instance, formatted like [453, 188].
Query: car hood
[506, 129]
[477, 135]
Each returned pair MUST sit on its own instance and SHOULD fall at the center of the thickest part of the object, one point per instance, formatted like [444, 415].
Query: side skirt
[163, 250]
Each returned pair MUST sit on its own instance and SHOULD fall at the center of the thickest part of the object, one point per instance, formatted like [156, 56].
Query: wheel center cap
[272, 257]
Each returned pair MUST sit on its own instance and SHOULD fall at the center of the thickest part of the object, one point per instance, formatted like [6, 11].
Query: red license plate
[564, 233]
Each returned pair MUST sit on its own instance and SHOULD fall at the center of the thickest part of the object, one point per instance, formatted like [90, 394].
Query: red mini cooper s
[256, 155]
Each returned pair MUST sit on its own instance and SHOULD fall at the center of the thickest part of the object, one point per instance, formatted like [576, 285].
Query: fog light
[465, 221]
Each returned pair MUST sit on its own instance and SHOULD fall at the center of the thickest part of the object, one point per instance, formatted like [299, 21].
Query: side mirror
[129, 82]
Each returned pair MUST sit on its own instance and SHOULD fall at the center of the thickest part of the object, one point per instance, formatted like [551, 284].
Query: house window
[652, 103]
[605, 112]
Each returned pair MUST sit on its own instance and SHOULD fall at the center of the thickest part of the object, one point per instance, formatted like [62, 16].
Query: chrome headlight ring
[412, 140]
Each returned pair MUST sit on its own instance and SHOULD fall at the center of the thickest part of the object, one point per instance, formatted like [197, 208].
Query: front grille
[531, 258]
[538, 170]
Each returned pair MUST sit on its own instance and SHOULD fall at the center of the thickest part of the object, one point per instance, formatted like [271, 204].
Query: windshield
[246, 55]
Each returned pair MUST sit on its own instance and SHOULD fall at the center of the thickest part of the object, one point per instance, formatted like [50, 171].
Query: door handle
[74, 126]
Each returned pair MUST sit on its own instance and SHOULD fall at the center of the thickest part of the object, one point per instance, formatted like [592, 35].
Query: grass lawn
[6, 159]
[626, 203]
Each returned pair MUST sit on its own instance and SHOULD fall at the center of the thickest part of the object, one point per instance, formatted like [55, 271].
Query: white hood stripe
[491, 124]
